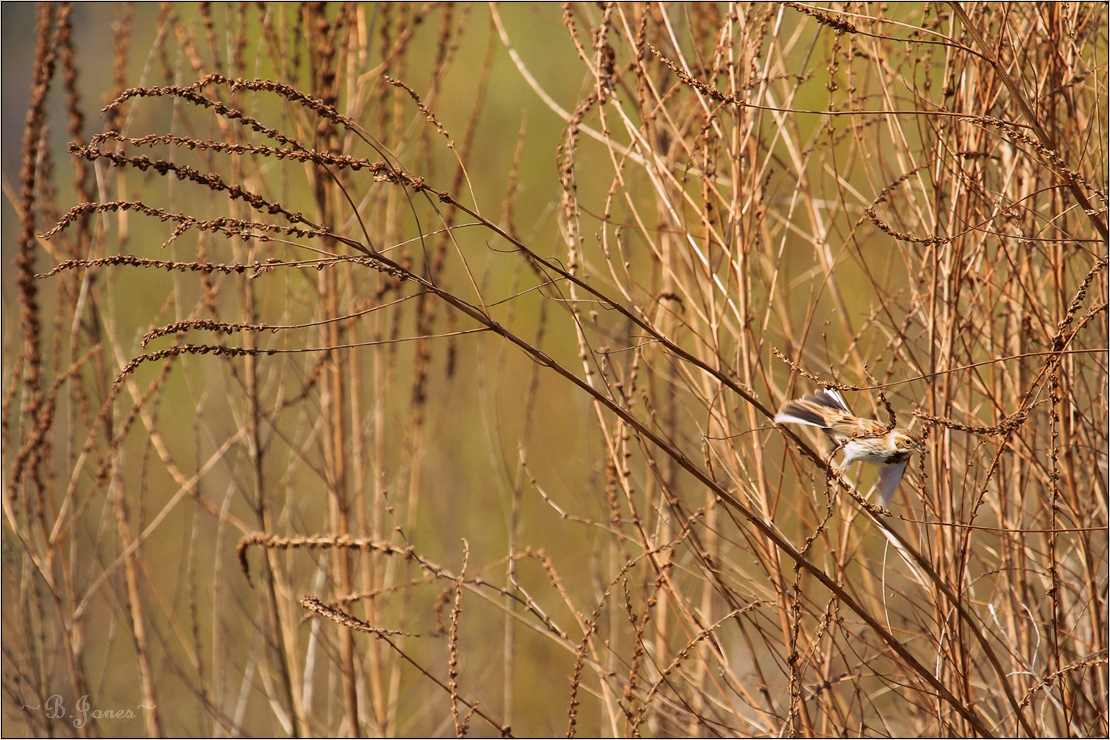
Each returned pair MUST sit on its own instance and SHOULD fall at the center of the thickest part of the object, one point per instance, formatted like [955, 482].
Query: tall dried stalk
[291, 309]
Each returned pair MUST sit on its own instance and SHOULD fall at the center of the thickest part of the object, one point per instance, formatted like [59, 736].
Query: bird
[863, 440]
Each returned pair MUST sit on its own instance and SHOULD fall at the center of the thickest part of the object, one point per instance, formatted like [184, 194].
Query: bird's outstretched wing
[889, 478]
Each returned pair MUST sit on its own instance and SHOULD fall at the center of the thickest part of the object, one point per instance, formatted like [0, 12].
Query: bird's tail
[814, 409]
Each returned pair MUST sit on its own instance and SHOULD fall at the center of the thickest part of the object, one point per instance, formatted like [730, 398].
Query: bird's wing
[889, 478]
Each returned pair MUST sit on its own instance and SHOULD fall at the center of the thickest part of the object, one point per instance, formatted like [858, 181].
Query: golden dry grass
[409, 370]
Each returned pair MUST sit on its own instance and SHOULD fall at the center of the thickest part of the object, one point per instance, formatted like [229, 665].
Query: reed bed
[410, 370]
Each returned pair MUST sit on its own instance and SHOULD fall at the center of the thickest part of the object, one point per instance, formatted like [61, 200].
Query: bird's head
[905, 441]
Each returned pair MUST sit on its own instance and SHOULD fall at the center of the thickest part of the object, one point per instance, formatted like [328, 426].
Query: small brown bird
[865, 440]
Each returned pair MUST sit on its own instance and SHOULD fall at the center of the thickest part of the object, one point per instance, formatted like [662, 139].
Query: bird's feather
[831, 398]
[822, 408]
[797, 413]
[889, 478]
